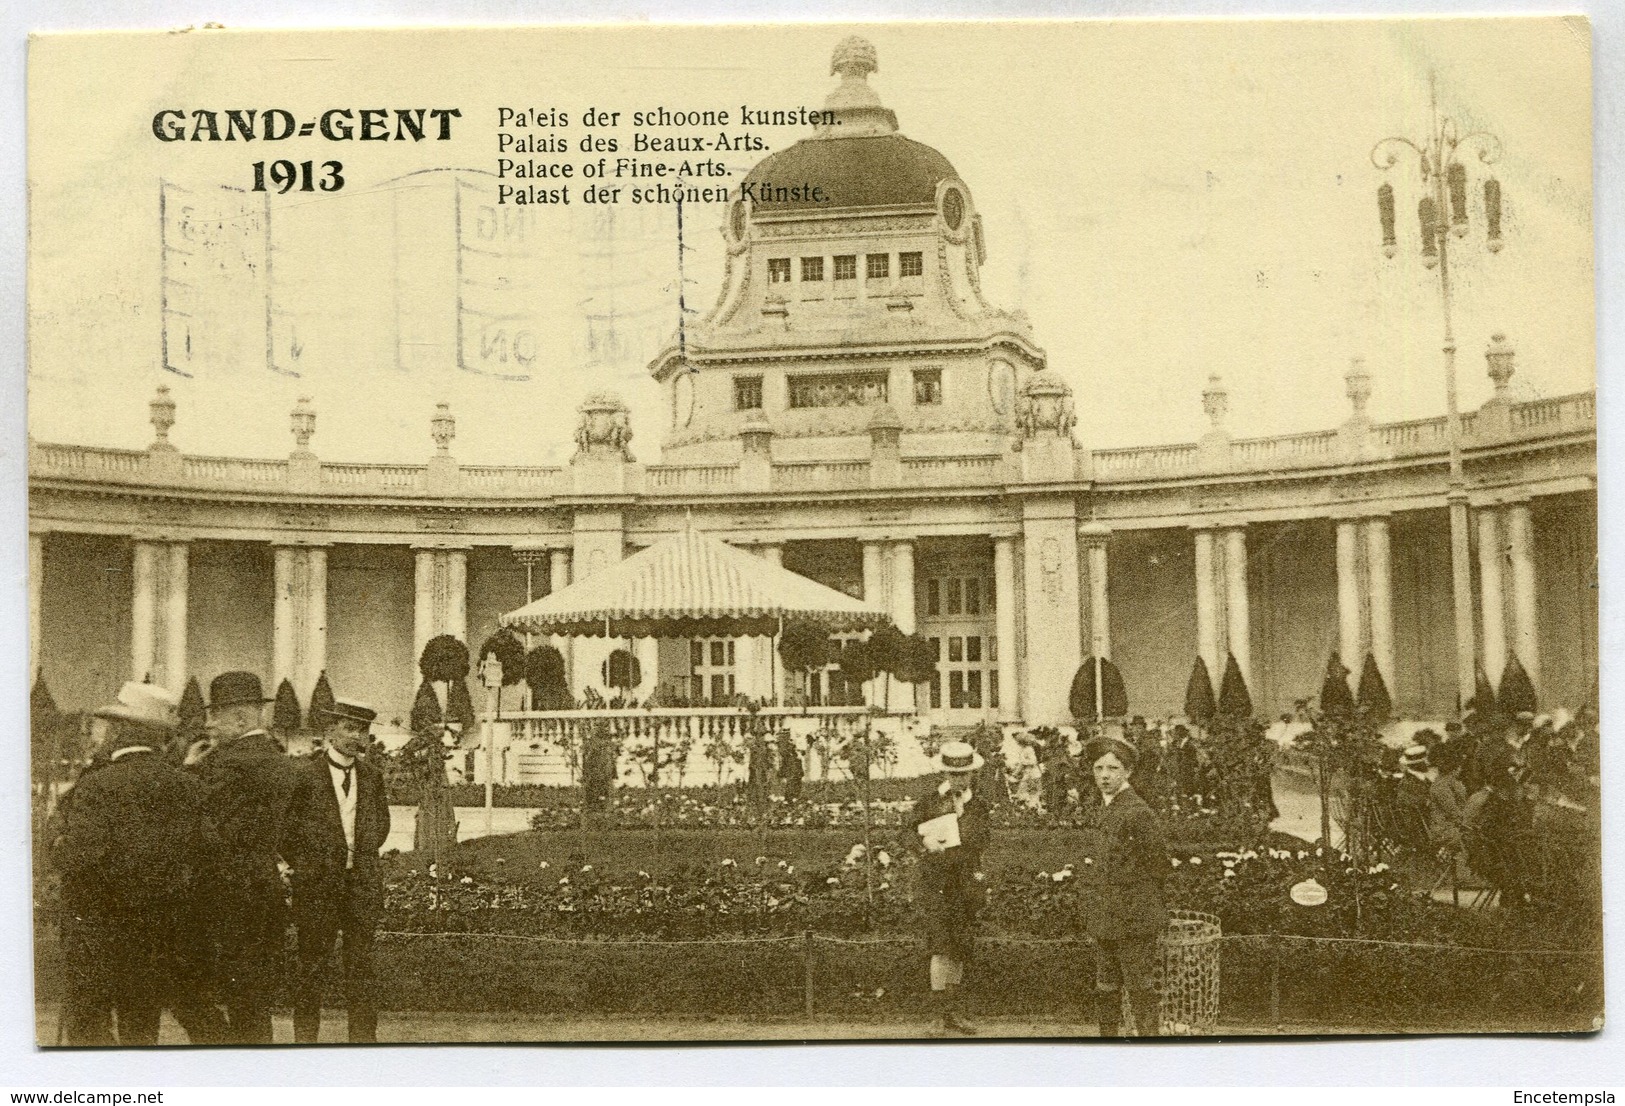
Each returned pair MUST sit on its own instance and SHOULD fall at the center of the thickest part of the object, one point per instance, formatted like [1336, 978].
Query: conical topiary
[1113, 695]
[194, 715]
[1199, 704]
[426, 717]
[1234, 701]
[286, 716]
[1335, 697]
[1483, 701]
[1516, 695]
[44, 721]
[322, 700]
[1372, 698]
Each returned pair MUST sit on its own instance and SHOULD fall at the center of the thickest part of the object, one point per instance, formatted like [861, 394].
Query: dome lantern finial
[858, 111]
[854, 58]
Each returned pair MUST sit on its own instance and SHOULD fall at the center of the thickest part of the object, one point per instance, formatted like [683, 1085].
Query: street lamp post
[1444, 182]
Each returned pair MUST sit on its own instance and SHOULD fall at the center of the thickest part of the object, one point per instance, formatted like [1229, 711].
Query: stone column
[36, 590]
[1492, 598]
[876, 593]
[558, 578]
[770, 672]
[1238, 632]
[1004, 627]
[902, 612]
[1207, 608]
[1520, 539]
[299, 618]
[175, 568]
[1053, 650]
[599, 543]
[158, 613]
[1350, 632]
[1098, 627]
[440, 597]
[144, 611]
[1380, 603]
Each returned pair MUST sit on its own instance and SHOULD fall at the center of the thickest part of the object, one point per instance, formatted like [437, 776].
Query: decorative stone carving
[1358, 387]
[1216, 401]
[1045, 407]
[1499, 355]
[162, 410]
[442, 428]
[605, 426]
[302, 421]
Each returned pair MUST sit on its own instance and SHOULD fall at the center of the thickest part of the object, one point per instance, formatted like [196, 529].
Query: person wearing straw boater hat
[249, 782]
[337, 822]
[950, 824]
[1412, 798]
[1125, 865]
[135, 845]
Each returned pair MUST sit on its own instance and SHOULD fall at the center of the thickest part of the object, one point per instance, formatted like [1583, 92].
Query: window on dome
[838, 390]
[747, 393]
[778, 270]
[812, 268]
[927, 387]
[910, 264]
[846, 266]
[879, 265]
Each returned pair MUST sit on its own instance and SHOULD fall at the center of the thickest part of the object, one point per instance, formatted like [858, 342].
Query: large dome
[876, 171]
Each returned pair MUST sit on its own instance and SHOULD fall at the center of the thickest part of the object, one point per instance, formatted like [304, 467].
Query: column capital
[1094, 533]
[449, 545]
[290, 542]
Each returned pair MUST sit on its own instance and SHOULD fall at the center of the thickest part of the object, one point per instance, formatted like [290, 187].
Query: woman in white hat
[950, 823]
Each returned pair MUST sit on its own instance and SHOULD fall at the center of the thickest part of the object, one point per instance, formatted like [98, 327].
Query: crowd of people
[1511, 800]
[180, 861]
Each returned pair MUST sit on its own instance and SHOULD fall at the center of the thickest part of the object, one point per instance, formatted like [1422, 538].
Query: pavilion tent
[692, 585]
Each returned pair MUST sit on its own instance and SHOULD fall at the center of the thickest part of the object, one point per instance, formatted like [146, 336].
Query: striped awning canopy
[692, 585]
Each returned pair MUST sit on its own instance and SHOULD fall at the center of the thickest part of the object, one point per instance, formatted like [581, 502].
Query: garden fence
[1271, 982]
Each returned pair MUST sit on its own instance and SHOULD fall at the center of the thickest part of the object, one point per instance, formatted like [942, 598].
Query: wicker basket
[1187, 975]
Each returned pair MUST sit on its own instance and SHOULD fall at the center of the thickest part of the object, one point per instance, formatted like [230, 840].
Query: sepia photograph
[1079, 529]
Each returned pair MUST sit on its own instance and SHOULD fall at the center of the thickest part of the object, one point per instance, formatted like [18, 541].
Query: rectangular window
[846, 266]
[778, 270]
[747, 393]
[933, 603]
[993, 688]
[812, 268]
[953, 595]
[956, 649]
[879, 265]
[993, 652]
[991, 593]
[956, 690]
[843, 390]
[973, 689]
[718, 656]
[696, 652]
[730, 650]
[927, 387]
[973, 596]
[973, 649]
[696, 687]
[910, 264]
[936, 690]
[719, 687]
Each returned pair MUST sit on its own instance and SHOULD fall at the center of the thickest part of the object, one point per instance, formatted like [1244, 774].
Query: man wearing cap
[1125, 865]
[338, 820]
[249, 782]
[135, 846]
[950, 825]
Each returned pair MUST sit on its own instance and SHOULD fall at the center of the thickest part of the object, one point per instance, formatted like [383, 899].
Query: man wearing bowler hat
[337, 821]
[134, 849]
[249, 783]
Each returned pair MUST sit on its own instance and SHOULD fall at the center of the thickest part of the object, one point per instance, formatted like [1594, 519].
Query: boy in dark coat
[1125, 867]
[950, 825]
[338, 819]
[135, 850]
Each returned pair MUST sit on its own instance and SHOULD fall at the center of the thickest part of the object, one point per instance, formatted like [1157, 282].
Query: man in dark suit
[135, 848]
[337, 822]
[1124, 869]
[249, 782]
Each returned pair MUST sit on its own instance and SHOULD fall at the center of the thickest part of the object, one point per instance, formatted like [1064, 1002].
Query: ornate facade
[853, 408]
